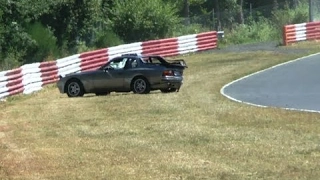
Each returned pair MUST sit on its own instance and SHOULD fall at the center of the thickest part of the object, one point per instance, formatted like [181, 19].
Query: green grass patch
[194, 134]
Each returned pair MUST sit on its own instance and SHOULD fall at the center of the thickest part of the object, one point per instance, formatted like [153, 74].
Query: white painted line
[262, 106]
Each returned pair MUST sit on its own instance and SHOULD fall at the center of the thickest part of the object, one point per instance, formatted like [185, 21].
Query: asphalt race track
[294, 85]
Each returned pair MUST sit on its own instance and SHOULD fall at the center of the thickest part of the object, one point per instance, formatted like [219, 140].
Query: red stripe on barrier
[19, 89]
[49, 72]
[13, 72]
[207, 41]
[313, 30]
[48, 66]
[93, 59]
[162, 47]
[91, 53]
[206, 34]
[92, 66]
[15, 86]
[298, 32]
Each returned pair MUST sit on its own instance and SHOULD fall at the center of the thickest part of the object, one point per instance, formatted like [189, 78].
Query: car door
[130, 71]
[111, 77]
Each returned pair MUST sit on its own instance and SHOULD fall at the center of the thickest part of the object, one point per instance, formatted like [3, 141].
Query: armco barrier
[301, 32]
[32, 77]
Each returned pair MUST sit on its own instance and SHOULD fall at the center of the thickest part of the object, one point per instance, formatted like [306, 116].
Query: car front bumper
[60, 85]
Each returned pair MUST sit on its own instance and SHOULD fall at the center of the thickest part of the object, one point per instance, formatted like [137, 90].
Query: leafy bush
[285, 16]
[181, 29]
[254, 31]
[139, 20]
[45, 45]
[106, 39]
[11, 60]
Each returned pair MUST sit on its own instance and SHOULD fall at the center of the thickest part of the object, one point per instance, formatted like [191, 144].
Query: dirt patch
[4, 128]
[2, 134]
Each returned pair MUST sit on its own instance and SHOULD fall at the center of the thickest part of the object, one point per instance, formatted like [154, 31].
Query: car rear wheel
[140, 86]
[75, 88]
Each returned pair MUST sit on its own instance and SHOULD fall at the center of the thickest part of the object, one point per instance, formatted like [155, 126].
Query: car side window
[118, 63]
[131, 63]
[134, 63]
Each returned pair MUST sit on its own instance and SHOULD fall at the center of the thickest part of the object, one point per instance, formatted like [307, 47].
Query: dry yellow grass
[194, 134]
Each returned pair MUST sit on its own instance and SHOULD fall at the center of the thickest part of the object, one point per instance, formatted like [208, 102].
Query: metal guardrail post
[311, 19]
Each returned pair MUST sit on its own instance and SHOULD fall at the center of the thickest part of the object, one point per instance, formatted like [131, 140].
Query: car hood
[79, 73]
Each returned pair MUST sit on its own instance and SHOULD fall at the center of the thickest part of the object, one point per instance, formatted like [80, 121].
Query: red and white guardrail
[32, 77]
[301, 32]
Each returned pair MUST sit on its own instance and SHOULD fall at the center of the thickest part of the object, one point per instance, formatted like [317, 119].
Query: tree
[240, 12]
[139, 20]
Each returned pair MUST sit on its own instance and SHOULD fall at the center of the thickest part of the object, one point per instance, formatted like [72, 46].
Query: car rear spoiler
[180, 62]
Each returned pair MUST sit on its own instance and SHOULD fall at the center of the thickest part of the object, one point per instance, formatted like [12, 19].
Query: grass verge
[194, 134]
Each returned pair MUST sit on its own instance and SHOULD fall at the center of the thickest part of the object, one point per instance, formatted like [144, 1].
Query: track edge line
[272, 67]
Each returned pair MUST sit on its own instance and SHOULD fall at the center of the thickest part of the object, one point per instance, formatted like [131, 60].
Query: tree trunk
[186, 12]
[240, 12]
[217, 11]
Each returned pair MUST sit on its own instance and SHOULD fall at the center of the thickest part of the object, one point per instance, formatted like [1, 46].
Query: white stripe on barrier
[301, 38]
[33, 87]
[297, 29]
[3, 89]
[300, 25]
[68, 60]
[124, 49]
[31, 77]
[187, 37]
[124, 46]
[3, 78]
[3, 73]
[188, 51]
[3, 84]
[3, 95]
[187, 44]
[69, 69]
[68, 66]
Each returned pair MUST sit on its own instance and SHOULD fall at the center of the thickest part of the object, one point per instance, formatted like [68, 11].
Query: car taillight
[168, 73]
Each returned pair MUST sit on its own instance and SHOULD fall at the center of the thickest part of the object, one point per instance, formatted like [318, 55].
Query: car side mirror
[108, 68]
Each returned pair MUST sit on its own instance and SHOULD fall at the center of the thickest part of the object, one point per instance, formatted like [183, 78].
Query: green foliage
[1, 32]
[181, 29]
[288, 15]
[138, 20]
[255, 31]
[107, 39]
[10, 60]
[45, 43]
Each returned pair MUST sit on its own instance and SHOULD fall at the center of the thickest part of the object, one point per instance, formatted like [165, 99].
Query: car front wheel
[75, 89]
[140, 86]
